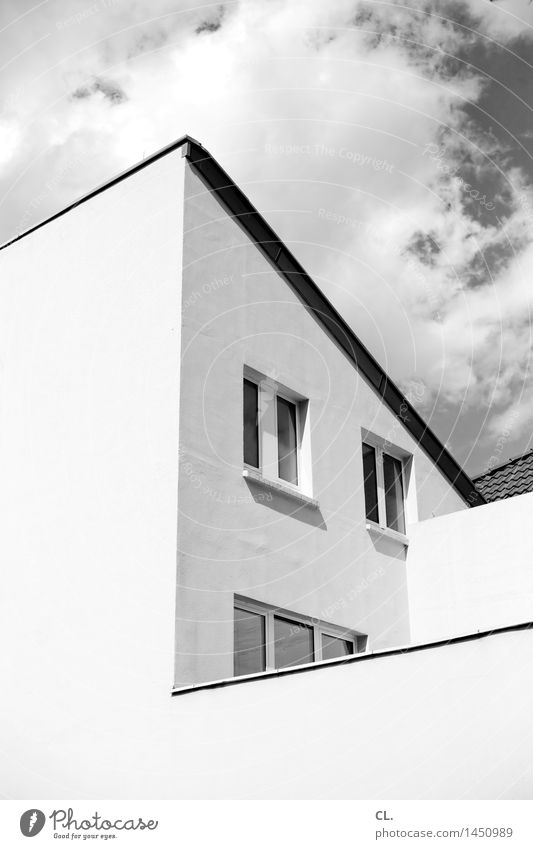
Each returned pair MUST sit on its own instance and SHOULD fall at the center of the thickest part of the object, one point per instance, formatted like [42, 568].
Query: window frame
[259, 447]
[296, 405]
[374, 507]
[318, 626]
[403, 484]
[270, 390]
[382, 447]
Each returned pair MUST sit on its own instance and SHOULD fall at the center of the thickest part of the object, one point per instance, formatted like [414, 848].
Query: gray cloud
[211, 24]
[111, 91]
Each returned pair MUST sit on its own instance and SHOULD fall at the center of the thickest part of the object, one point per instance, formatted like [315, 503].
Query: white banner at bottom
[265, 824]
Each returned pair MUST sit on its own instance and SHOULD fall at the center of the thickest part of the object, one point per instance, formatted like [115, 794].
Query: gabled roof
[511, 478]
[279, 255]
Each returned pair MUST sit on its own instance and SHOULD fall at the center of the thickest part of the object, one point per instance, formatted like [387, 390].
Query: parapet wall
[471, 570]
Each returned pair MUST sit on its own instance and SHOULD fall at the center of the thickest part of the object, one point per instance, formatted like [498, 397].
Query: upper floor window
[287, 434]
[276, 438]
[384, 485]
[267, 638]
[251, 423]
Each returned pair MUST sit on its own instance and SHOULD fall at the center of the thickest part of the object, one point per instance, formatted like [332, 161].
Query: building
[207, 479]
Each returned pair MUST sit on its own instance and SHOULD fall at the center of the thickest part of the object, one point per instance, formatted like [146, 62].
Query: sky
[389, 144]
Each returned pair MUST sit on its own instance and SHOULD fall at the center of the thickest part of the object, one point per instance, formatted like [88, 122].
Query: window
[287, 441]
[251, 423]
[371, 482]
[392, 478]
[335, 647]
[249, 642]
[276, 439]
[293, 643]
[268, 638]
[384, 488]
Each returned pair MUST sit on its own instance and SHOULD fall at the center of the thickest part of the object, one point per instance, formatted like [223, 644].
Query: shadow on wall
[286, 505]
[390, 547]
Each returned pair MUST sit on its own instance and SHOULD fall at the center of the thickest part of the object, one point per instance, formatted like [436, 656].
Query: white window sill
[279, 486]
[377, 530]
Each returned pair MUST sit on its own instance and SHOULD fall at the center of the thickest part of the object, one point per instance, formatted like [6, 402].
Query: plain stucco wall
[238, 311]
[89, 390]
[472, 571]
[446, 723]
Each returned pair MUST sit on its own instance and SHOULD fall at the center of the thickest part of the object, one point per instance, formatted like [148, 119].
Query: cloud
[373, 136]
[110, 91]
[211, 24]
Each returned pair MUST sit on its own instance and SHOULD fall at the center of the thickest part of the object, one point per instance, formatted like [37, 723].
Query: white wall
[444, 723]
[89, 391]
[471, 571]
[238, 311]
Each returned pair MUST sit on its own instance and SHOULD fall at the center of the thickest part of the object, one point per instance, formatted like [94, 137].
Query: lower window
[249, 648]
[268, 638]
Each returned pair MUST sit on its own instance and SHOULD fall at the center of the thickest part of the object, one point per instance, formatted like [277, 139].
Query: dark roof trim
[314, 667]
[240, 208]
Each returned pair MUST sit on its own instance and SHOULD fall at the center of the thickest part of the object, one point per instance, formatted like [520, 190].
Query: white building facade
[206, 478]
[279, 552]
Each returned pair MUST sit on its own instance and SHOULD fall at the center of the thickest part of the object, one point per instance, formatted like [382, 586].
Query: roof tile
[514, 477]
